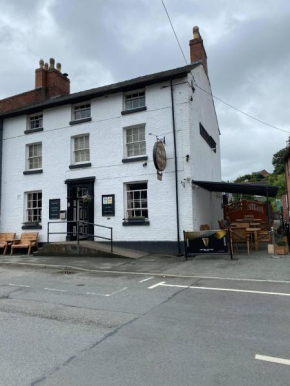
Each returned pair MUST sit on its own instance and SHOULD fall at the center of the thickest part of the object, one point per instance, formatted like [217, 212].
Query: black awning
[228, 187]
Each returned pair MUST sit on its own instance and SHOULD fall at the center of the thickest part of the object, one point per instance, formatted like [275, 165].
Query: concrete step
[87, 248]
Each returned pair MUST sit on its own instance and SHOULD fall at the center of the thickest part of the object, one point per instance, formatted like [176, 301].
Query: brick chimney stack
[197, 51]
[52, 80]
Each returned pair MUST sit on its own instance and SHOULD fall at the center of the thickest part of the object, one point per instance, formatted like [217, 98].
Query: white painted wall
[107, 151]
[205, 163]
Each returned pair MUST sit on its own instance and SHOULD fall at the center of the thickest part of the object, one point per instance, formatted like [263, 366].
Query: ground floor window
[33, 207]
[136, 200]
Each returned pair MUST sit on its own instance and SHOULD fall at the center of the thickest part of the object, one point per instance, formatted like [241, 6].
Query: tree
[277, 161]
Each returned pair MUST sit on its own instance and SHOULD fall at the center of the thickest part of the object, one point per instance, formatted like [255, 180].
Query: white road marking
[90, 293]
[54, 289]
[19, 285]
[157, 285]
[142, 281]
[116, 292]
[272, 359]
[163, 284]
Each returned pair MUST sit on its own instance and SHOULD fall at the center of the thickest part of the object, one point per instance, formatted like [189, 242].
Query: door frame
[72, 185]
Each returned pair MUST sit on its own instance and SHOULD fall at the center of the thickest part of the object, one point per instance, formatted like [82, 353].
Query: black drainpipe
[176, 170]
[1, 151]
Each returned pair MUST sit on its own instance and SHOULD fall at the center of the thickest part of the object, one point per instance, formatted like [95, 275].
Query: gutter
[1, 155]
[176, 167]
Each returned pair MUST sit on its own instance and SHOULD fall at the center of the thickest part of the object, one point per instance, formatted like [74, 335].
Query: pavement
[258, 265]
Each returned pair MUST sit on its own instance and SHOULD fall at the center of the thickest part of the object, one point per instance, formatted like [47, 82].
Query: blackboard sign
[108, 205]
[54, 209]
[210, 242]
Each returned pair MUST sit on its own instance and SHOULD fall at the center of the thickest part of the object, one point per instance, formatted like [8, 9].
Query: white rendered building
[89, 156]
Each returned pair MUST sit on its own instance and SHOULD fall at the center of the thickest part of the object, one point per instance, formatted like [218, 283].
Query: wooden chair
[264, 236]
[240, 236]
[204, 227]
[27, 240]
[4, 239]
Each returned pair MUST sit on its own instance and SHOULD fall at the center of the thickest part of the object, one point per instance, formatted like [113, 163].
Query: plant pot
[271, 249]
[282, 249]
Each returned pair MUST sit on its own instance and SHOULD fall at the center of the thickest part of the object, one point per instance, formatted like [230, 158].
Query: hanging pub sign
[108, 205]
[54, 209]
[159, 158]
[211, 242]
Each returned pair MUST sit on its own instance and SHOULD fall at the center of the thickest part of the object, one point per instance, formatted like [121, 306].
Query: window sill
[80, 121]
[136, 222]
[37, 171]
[80, 166]
[134, 110]
[135, 159]
[33, 130]
[31, 226]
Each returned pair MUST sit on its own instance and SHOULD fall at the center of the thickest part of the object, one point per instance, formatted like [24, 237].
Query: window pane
[135, 100]
[34, 207]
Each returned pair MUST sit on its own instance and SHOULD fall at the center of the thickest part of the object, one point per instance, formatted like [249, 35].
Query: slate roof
[124, 86]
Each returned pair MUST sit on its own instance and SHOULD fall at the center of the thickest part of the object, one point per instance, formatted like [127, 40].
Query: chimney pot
[58, 67]
[51, 63]
[196, 34]
[41, 63]
[46, 66]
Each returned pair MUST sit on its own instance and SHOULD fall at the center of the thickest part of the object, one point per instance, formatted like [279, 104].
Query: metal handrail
[78, 233]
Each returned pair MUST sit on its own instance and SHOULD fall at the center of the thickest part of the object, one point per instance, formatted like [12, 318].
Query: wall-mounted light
[145, 164]
[187, 157]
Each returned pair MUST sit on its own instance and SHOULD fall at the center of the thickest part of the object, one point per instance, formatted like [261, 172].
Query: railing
[77, 232]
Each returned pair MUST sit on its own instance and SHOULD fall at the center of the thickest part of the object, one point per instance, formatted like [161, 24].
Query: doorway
[80, 208]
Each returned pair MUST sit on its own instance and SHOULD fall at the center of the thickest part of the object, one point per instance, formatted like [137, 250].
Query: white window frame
[127, 151]
[33, 212]
[134, 202]
[35, 120]
[81, 107]
[134, 98]
[74, 162]
[33, 157]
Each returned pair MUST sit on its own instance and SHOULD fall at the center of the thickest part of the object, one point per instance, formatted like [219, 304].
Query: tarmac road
[83, 329]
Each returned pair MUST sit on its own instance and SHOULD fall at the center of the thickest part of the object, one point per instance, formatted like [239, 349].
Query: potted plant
[87, 199]
[282, 247]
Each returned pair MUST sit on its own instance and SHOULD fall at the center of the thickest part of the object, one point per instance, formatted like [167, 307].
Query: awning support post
[268, 208]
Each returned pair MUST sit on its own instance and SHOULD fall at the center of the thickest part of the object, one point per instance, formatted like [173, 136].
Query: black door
[80, 208]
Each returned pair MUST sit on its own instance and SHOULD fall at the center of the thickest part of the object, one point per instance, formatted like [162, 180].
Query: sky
[99, 42]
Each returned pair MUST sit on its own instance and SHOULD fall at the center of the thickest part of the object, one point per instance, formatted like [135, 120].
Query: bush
[281, 243]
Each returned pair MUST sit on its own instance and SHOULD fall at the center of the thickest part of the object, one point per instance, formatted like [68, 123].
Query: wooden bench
[4, 239]
[27, 240]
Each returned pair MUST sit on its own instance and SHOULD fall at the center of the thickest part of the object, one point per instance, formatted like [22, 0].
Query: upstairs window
[134, 100]
[135, 141]
[81, 149]
[35, 122]
[82, 111]
[136, 200]
[33, 207]
[34, 156]
[208, 138]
